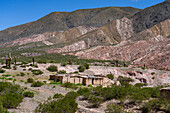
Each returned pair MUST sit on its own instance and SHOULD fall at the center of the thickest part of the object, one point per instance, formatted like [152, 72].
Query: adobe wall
[66, 79]
[98, 82]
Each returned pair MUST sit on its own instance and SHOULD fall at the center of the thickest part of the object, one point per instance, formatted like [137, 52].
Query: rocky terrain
[127, 34]
[152, 77]
[121, 41]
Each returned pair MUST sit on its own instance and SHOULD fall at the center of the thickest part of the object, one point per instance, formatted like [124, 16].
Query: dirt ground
[44, 92]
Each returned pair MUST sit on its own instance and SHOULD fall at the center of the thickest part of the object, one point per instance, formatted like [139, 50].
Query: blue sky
[16, 12]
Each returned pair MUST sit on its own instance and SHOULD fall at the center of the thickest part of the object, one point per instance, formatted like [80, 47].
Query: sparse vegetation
[140, 84]
[57, 95]
[114, 108]
[110, 76]
[66, 104]
[11, 96]
[52, 68]
[69, 85]
[30, 80]
[37, 84]
[6, 75]
[81, 68]
[95, 100]
[152, 73]
[28, 94]
[2, 70]
[63, 64]
[62, 72]
[86, 66]
[41, 61]
[37, 72]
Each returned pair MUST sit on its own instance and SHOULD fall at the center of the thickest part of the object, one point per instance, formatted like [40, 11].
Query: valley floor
[153, 77]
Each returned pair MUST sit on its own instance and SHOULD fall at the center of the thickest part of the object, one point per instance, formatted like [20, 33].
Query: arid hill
[127, 34]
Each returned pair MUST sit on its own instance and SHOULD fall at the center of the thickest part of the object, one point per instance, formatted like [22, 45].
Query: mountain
[61, 21]
[141, 37]
[151, 16]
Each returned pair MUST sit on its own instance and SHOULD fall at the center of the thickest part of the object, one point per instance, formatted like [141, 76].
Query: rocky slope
[141, 53]
[109, 34]
[151, 16]
[127, 34]
[61, 21]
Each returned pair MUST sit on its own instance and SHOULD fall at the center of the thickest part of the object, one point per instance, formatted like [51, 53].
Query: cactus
[15, 60]
[33, 60]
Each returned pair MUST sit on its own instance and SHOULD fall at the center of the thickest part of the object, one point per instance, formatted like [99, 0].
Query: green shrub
[78, 84]
[81, 68]
[21, 74]
[36, 66]
[69, 85]
[140, 84]
[30, 80]
[11, 99]
[122, 79]
[152, 73]
[63, 64]
[1, 70]
[71, 95]
[52, 68]
[11, 95]
[30, 69]
[62, 72]
[151, 106]
[37, 84]
[167, 108]
[2, 109]
[42, 61]
[37, 72]
[75, 72]
[14, 67]
[114, 108]
[23, 62]
[95, 101]
[6, 67]
[28, 94]
[83, 91]
[14, 80]
[86, 66]
[9, 78]
[57, 95]
[21, 80]
[65, 105]
[90, 85]
[55, 82]
[110, 76]
[6, 75]
[24, 66]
